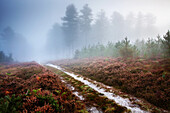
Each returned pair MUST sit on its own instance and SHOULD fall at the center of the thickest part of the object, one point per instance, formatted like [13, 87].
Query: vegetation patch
[91, 96]
[144, 78]
[29, 87]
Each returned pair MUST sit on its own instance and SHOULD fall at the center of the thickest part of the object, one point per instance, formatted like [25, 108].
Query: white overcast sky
[33, 18]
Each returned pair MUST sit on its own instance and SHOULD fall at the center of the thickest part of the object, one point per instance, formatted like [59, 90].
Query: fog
[44, 30]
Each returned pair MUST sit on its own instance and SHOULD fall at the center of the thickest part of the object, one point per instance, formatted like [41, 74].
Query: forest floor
[147, 79]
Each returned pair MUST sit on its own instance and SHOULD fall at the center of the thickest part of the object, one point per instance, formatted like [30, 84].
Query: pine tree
[14, 43]
[85, 23]
[166, 43]
[101, 28]
[118, 25]
[4, 58]
[126, 49]
[70, 26]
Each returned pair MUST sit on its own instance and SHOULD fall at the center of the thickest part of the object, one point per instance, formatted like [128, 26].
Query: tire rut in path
[119, 100]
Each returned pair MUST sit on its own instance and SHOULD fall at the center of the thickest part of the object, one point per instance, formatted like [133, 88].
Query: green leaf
[8, 98]
[64, 93]
[34, 90]
[57, 91]
[163, 76]
[8, 73]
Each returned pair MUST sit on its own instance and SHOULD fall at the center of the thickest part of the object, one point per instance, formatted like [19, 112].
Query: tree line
[5, 58]
[151, 48]
[14, 44]
[81, 28]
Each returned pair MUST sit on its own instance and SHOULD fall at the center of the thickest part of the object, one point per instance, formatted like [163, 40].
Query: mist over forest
[84, 56]
[78, 28]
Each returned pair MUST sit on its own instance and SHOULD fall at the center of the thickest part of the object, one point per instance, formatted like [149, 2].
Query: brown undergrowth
[92, 97]
[29, 87]
[144, 78]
